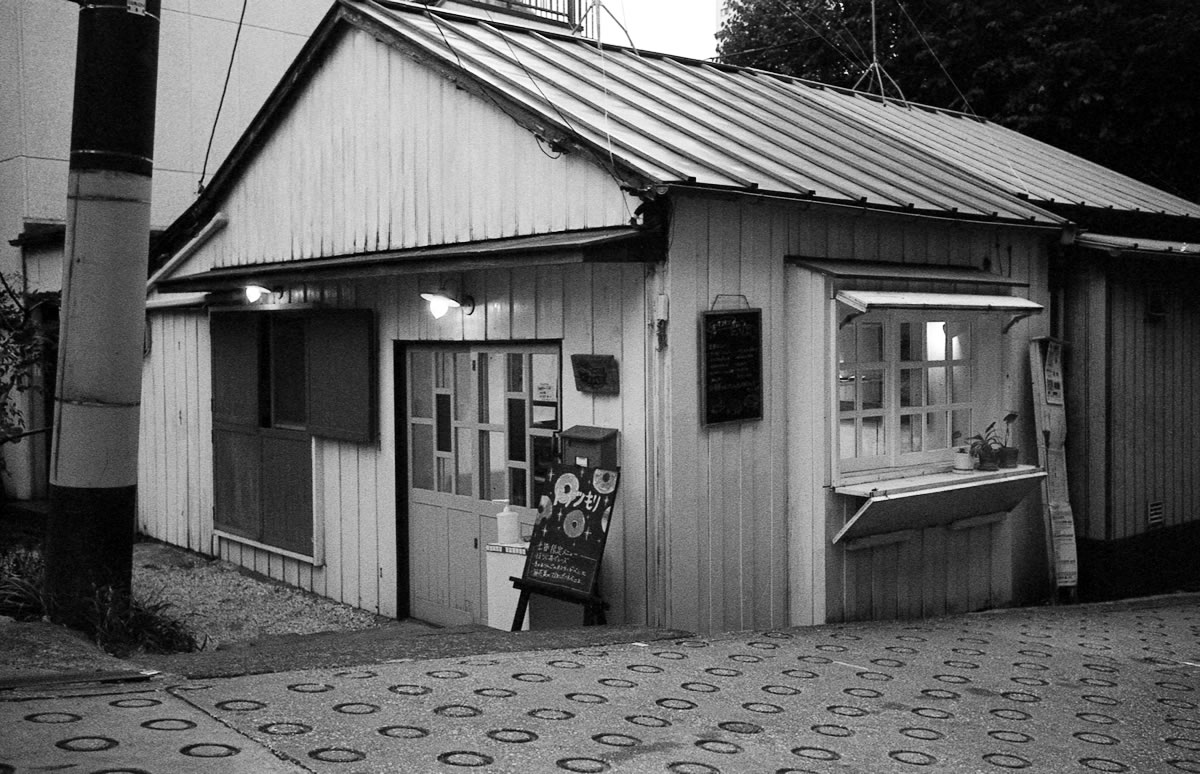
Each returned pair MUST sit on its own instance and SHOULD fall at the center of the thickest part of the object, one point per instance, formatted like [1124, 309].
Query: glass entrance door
[481, 426]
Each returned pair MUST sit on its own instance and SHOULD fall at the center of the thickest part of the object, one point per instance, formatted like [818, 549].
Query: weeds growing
[120, 624]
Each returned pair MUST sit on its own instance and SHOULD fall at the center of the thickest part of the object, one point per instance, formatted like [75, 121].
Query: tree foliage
[1114, 81]
[22, 344]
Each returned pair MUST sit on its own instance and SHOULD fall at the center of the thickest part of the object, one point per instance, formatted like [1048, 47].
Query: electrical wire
[854, 60]
[221, 103]
[437, 21]
[966, 103]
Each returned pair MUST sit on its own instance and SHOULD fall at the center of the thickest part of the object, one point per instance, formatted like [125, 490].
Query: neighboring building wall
[1133, 392]
[590, 309]
[37, 72]
[37, 57]
[736, 531]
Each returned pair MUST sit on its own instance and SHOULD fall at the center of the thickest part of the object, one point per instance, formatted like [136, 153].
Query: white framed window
[909, 386]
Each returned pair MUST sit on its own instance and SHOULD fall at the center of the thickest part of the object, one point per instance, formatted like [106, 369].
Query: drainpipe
[93, 466]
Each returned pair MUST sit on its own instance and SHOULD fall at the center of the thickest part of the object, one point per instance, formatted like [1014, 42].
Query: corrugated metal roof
[653, 118]
[676, 120]
[1121, 244]
[1008, 159]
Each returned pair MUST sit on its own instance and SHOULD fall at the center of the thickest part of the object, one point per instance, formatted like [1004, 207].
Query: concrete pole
[93, 466]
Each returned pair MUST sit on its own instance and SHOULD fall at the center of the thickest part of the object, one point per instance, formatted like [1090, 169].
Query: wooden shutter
[287, 509]
[341, 376]
[235, 363]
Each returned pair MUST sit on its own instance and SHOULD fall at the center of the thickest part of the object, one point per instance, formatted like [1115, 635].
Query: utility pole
[93, 468]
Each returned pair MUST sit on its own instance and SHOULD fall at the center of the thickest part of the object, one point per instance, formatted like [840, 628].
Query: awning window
[934, 500]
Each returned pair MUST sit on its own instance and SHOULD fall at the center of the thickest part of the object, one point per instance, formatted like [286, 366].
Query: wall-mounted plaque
[731, 368]
[596, 374]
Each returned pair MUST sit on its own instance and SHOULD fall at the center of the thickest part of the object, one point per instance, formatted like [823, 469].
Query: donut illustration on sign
[574, 523]
[565, 488]
[604, 481]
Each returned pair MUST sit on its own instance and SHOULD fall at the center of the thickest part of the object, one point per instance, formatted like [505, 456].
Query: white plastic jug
[508, 525]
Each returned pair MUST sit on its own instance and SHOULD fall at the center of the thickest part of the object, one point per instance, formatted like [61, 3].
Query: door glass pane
[464, 388]
[442, 363]
[516, 373]
[464, 468]
[445, 475]
[518, 487]
[493, 465]
[545, 416]
[516, 429]
[421, 383]
[545, 378]
[444, 426]
[422, 456]
[543, 458]
[492, 383]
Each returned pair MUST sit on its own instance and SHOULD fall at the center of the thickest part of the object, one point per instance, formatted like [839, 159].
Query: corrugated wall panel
[382, 153]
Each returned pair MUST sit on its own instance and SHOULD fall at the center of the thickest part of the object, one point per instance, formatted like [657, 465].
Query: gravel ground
[224, 605]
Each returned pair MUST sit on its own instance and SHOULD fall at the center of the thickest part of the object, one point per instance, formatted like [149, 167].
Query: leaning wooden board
[1045, 361]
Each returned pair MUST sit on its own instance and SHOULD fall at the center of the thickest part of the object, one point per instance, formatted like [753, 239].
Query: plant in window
[992, 450]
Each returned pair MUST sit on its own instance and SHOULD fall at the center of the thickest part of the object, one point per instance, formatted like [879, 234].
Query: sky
[681, 27]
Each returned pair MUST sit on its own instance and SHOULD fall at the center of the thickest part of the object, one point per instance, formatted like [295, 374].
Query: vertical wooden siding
[175, 451]
[591, 309]
[748, 517]
[1154, 391]
[379, 152]
[1086, 329]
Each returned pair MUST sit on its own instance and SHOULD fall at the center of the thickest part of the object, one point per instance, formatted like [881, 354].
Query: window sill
[232, 538]
[934, 499]
[894, 486]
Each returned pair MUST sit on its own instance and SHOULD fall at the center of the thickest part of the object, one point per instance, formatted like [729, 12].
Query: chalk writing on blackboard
[731, 379]
[572, 527]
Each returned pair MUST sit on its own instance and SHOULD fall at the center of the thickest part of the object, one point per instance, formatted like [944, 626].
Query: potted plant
[993, 451]
[1008, 454]
[964, 462]
[986, 448]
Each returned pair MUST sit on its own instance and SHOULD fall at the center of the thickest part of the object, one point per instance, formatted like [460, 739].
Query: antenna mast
[875, 71]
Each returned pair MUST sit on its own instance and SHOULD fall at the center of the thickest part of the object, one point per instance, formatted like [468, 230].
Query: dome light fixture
[441, 302]
[254, 293]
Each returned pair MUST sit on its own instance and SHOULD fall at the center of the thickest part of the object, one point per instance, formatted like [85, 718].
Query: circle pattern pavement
[1029, 690]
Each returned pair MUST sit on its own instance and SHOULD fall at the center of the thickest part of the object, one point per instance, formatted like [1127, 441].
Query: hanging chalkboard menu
[731, 377]
[568, 539]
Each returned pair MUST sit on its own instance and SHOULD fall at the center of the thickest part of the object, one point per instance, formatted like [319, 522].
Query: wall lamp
[441, 301]
[256, 292]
